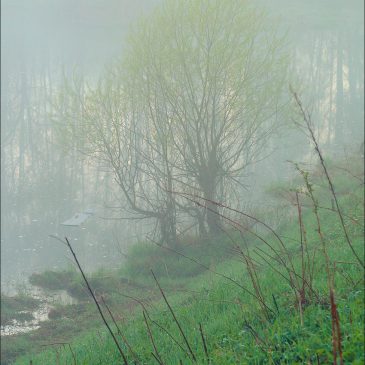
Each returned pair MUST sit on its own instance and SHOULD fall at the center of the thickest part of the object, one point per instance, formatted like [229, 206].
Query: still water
[26, 247]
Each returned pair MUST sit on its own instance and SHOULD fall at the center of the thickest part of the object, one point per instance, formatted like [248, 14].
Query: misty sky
[83, 33]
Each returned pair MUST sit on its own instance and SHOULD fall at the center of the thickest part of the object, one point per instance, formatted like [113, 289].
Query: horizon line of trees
[328, 58]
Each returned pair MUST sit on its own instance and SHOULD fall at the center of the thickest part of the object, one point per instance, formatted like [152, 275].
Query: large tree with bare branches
[208, 76]
[189, 106]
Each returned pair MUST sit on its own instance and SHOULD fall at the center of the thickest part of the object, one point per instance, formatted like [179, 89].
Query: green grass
[102, 281]
[144, 257]
[235, 328]
[54, 280]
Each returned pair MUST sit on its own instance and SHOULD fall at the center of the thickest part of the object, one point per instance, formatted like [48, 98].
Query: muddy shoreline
[48, 299]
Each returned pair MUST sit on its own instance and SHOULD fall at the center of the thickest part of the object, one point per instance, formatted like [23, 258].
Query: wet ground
[48, 300]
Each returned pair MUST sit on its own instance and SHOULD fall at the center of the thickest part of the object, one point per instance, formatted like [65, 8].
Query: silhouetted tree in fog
[190, 105]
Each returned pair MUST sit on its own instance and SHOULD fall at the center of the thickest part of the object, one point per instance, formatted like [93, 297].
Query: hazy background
[42, 185]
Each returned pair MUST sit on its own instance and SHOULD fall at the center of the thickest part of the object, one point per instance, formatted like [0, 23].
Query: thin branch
[307, 119]
[156, 355]
[174, 316]
[95, 300]
[204, 343]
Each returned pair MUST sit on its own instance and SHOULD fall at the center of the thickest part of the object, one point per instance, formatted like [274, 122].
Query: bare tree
[102, 125]
[209, 75]
[187, 109]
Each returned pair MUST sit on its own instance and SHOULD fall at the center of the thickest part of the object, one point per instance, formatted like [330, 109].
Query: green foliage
[53, 280]
[142, 258]
[102, 281]
[68, 280]
[234, 326]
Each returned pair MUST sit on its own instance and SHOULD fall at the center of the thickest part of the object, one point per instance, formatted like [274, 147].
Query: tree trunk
[167, 224]
[339, 95]
[214, 220]
[201, 225]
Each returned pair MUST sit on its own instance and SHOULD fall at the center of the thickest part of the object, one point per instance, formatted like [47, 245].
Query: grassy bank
[265, 303]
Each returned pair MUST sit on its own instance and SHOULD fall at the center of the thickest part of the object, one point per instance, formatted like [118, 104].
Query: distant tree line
[190, 105]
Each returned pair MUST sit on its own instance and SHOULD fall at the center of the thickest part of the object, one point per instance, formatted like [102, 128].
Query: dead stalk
[94, 299]
[204, 343]
[175, 318]
[275, 303]
[308, 124]
[241, 228]
[259, 341]
[120, 332]
[302, 291]
[215, 272]
[140, 302]
[157, 355]
[156, 358]
[336, 332]
[254, 280]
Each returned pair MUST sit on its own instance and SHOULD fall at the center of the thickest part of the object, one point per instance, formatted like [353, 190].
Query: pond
[26, 247]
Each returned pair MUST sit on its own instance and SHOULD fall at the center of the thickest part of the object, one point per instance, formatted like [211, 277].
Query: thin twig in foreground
[95, 300]
[157, 357]
[212, 271]
[204, 343]
[174, 316]
[119, 331]
[308, 123]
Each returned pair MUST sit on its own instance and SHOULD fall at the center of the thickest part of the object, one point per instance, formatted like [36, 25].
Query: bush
[143, 257]
[53, 280]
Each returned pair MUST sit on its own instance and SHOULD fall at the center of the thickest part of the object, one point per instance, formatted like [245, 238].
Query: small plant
[308, 126]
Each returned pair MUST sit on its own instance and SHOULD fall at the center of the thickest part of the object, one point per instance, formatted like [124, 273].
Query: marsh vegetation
[182, 182]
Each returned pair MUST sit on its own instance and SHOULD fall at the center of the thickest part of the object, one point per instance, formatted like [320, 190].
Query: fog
[40, 41]
[43, 183]
[189, 168]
